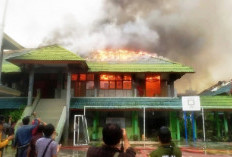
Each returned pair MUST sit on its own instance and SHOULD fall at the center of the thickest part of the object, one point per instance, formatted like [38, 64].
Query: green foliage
[135, 137]
[15, 114]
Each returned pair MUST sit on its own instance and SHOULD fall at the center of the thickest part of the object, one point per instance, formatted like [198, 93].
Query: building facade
[134, 89]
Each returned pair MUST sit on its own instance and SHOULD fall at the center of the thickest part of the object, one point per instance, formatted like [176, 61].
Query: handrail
[60, 124]
[28, 109]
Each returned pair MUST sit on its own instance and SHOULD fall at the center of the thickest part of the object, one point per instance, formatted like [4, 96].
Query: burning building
[134, 89]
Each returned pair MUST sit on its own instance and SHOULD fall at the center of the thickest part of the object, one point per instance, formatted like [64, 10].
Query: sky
[196, 33]
[30, 21]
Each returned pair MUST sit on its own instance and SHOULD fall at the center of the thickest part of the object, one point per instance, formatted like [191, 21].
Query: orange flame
[119, 55]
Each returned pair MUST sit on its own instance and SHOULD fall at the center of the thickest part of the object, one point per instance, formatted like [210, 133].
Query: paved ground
[216, 150]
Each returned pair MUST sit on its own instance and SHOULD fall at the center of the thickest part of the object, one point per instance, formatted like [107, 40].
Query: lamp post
[1, 38]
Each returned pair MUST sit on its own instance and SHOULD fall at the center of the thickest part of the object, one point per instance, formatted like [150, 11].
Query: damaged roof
[138, 67]
[116, 61]
[221, 88]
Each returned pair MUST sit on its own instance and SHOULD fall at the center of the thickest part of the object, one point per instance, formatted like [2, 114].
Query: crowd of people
[116, 144]
[37, 140]
[30, 140]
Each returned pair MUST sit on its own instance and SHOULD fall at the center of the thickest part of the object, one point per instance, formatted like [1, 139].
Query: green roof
[49, 53]
[8, 67]
[138, 67]
[216, 102]
[207, 102]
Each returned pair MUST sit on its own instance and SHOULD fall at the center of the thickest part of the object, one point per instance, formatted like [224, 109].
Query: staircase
[52, 111]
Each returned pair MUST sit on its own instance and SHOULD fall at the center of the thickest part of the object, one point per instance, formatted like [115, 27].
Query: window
[81, 83]
[152, 85]
[82, 77]
[109, 81]
[74, 77]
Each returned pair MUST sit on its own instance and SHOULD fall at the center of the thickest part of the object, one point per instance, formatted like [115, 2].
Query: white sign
[191, 103]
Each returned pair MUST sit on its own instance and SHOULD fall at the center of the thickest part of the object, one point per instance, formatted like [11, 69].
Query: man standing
[167, 148]
[112, 134]
[23, 136]
[5, 142]
[46, 146]
[39, 133]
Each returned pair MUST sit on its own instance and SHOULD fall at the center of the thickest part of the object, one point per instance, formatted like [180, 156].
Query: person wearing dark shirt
[112, 134]
[167, 148]
[38, 134]
[23, 137]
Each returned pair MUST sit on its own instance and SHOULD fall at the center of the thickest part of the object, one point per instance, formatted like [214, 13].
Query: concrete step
[49, 110]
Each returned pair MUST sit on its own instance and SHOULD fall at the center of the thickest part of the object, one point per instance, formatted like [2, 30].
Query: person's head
[48, 130]
[164, 135]
[112, 134]
[1, 126]
[26, 120]
[40, 129]
[2, 118]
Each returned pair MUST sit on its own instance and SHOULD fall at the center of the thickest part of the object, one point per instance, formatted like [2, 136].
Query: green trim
[207, 102]
[13, 102]
[49, 53]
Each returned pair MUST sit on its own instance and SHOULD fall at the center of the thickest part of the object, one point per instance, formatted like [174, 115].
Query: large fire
[119, 55]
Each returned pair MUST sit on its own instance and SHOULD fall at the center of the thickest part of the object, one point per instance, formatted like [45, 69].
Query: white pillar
[1, 60]
[203, 122]
[30, 87]
[144, 123]
[68, 97]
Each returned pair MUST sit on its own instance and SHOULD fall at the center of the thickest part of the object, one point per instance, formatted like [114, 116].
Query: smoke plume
[195, 33]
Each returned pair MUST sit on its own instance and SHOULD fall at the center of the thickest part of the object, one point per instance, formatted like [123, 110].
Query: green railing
[60, 125]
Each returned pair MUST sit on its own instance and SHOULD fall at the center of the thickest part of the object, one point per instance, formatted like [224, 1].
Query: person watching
[167, 148]
[23, 136]
[46, 146]
[112, 135]
[3, 142]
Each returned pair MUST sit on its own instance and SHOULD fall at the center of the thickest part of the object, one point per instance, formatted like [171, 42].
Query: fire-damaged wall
[121, 85]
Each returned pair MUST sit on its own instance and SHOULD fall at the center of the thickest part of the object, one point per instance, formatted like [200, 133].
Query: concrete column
[178, 128]
[171, 89]
[225, 124]
[95, 126]
[217, 125]
[68, 97]
[59, 84]
[30, 86]
[1, 61]
[135, 123]
[173, 124]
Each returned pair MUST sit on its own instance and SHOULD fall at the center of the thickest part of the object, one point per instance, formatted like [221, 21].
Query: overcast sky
[29, 21]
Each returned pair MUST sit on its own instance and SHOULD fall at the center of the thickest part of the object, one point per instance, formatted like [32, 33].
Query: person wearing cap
[166, 148]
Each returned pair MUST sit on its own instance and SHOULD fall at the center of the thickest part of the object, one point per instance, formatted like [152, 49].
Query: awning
[207, 102]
